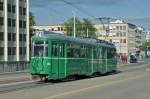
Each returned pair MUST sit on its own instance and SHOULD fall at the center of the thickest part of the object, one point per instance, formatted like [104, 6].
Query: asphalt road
[132, 83]
[14, 77]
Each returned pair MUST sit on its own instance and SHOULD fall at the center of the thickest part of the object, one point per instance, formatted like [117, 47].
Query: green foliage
[88, 26]
[32, 22]
[69, 26]
[82, 28]
[145, 46]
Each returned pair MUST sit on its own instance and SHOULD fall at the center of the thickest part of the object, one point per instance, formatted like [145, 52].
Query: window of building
[124, 33]
[24, 24]
[14, 36]
[1, 21]
[117, 34]
[1, 51]
[13, 8]
[110, 40]
[20, 50]
[9, 36]
[117, 27]
[124, 41]
[120, 40]
[121, 34]
[13, 22]
[20, 11]
[58, 29]
[13, 50]
[121, 28]
[52, 29]
[23, 37]
[1, 36]
[24, 51]
[9, 51]
[124, 27]
[20, 37]
[24, 11]
[1, 6]
[20, 24]
[9, 8]
[9, 22]
[61, 28]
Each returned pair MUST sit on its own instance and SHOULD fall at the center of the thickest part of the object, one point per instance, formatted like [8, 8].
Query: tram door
[58, 60]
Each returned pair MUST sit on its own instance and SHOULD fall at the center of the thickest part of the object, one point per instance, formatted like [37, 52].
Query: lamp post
[74, 24]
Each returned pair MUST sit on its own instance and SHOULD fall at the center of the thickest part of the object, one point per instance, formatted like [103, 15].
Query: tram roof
[87, 41]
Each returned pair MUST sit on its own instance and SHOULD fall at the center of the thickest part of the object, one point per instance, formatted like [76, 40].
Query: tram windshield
[39, 49]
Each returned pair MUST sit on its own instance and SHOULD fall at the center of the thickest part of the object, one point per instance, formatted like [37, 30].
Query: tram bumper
[39, 66]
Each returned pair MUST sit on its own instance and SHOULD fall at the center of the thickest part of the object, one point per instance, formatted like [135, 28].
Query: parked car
[133, 59]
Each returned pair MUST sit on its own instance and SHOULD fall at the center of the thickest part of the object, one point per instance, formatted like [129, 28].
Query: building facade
[147, 35]
[14, 35]
[122, 34]
[53, 28]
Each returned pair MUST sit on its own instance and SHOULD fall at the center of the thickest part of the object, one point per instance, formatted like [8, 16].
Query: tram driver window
[40, 49]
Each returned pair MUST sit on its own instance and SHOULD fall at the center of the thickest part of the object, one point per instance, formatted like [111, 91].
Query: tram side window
[100, 53]
[95, 53]
[111, 54]
[73, 51]
[83, 52]
[54, 49]
[69, 51]
[62, 50]
[103, 53]
[76, 50]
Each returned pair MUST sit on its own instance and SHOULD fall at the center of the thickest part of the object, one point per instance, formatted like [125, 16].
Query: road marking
[96, 86]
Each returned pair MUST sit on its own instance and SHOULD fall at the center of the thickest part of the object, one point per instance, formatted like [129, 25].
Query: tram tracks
[16, 86]
[5, 88]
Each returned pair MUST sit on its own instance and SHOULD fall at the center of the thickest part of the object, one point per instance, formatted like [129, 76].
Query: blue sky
[57, 11]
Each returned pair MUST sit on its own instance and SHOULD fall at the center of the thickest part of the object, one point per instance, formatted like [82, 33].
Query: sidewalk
[18, 76]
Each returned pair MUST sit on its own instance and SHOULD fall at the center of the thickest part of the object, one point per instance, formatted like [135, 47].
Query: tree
[89, 29]
[32, 23]
[82, 28]
[69, 24]
[145, 46]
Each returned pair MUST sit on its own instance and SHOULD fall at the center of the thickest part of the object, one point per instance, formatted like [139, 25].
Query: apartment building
[54, 28]
[122, 34]
[14, 35]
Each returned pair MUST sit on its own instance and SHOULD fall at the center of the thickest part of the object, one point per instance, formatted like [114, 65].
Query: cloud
[43, 3]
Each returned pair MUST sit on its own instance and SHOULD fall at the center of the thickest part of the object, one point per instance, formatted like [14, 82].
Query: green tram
[56, 56]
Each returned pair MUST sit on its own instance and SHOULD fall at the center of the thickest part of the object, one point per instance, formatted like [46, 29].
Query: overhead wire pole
[74, 24]
[87, 35]
[107, 30]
